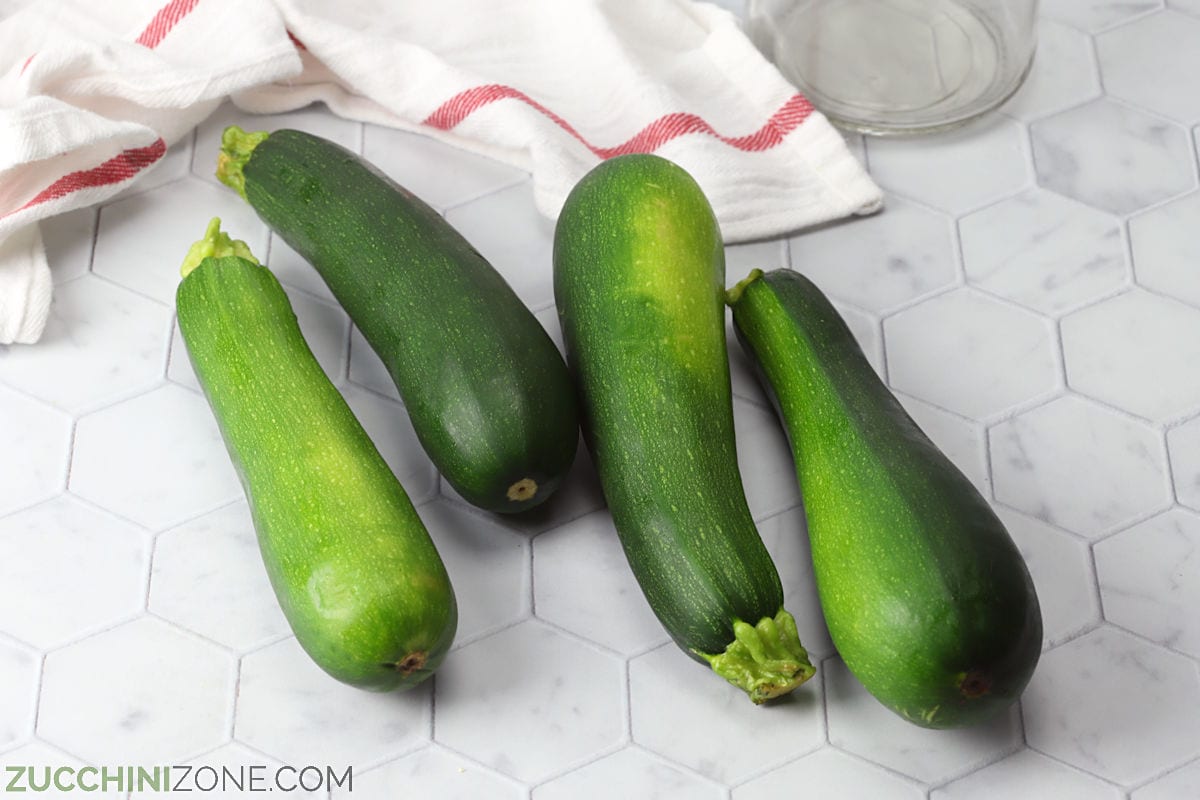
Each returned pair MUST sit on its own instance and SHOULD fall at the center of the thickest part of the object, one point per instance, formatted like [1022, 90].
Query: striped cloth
[92, 94]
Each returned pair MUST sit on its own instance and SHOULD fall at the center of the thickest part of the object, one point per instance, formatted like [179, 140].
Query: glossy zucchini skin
[351, 563]
[487, 391]
[926, 596]
[639, 284]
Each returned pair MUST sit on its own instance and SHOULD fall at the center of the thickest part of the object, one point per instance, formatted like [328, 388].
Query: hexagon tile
[288, 708]
[1111, 156]
[1027, 249]
[1079, 465]
[119, 697]
[1030, 293]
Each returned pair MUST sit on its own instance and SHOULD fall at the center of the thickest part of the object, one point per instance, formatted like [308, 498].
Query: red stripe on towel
[664, 129]
[167, 18]
[120, 167]
[127, 163]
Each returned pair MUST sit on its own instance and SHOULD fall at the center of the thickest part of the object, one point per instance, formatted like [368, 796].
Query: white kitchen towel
[91, 94]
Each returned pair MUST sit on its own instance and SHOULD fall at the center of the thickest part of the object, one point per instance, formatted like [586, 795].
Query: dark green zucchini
[487, 391]
[353, 567]
[926, 596]
[639, 281]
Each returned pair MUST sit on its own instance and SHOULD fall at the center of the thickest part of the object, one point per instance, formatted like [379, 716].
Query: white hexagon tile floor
[1030, 292]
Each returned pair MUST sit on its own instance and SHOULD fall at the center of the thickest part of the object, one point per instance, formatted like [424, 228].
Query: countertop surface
[1031, 293]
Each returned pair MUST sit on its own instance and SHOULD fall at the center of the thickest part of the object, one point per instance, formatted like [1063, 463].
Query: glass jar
[898, 66]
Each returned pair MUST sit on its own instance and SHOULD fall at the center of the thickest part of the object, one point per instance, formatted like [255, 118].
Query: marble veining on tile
[1079, 465]
[558, 692]
[1061, 568]
[1027, 774]
[101, 343]
[209, 578]
[830, 773]
[1139, 352]
[1166, 248]
[1004, 356]
[1150, 63]
[18, 683]
[44, 434]
[288, 708]
[1044, 251]
[98, 577]
[1147, 722]
[1150, 579]
[579, 562]
[116, 697]
[881, 262]
[1183, 446]
[1111, 156]
[979, 163]
[747, 740]
[1063, 73]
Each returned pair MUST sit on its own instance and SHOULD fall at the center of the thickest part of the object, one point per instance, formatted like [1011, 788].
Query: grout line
[95, 233]
[371, 390]
[1075, 768]
[136, 292]
[1094, 584]
[231, 727]
[518, 180]
[627, 698]
[433, 695]
[1153, 643]
[1169, 468]
[446, 748]
[578, 764]
[154, 532]
[532, 576]
[65, 484]
[1159, 293]
[892, 771]
[346, 349]
[150, 546]
[103, 511]
[37, 695]
[168, 351]
[1060, 356]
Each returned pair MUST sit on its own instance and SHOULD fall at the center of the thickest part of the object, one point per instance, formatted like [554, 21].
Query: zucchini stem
[236, 148]
[764, 660]
[732, 296]
[215, 244]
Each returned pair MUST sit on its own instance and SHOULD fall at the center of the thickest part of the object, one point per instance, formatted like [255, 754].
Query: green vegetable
[927, 598]
[487, 391]
[639, 281]
[351, 563]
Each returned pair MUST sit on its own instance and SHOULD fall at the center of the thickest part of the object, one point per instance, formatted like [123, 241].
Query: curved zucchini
[353, 567]
[927, 599]
[487, 391]
[639, 281]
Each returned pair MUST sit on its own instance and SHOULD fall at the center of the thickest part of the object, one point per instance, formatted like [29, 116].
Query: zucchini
[354, 569]
[926, 596]
[639, 278]
[487, 391]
